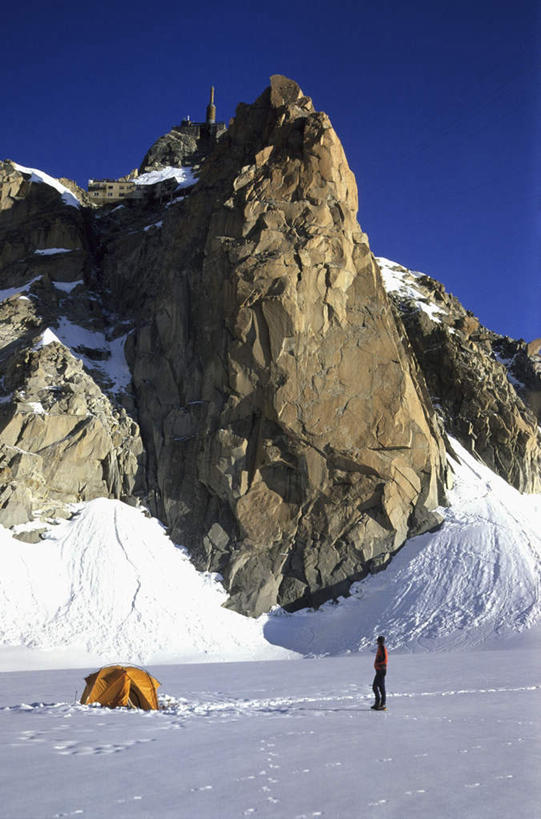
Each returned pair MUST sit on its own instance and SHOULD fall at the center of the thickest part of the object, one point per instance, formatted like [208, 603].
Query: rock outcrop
[289, 435]
[486, 386]
[65, 435]
[183, 146]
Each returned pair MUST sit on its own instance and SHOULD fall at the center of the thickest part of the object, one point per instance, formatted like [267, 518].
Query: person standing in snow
[378, 686]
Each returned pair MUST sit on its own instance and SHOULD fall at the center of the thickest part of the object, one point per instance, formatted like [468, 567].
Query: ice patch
[67, 287]
[52, 251]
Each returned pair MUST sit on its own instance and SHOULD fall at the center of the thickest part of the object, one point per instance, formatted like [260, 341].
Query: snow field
[282, 739]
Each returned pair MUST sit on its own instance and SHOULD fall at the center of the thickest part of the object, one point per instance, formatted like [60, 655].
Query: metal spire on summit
[211, 108]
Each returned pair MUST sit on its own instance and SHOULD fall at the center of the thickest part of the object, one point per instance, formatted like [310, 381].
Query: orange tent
[118, 685]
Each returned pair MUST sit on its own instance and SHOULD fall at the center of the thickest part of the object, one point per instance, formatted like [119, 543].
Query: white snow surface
[460, 738]
[184, 176]
[38, 176]
[398, 279]
[47, 337]
[282, 740]
[109, 583]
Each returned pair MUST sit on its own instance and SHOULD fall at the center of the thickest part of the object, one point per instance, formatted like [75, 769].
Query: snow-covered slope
[109, 585]
[38, 176]
[474, 581]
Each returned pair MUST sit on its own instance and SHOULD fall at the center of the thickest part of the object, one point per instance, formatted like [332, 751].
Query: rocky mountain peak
[226, 353]
[292, 443]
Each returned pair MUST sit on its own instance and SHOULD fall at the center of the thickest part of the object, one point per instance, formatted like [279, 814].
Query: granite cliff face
[275, 413]
[288, 431]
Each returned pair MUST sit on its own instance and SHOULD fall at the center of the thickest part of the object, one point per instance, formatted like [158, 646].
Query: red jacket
[380, 663]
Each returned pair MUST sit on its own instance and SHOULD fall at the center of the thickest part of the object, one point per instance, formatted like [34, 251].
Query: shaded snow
[12, 291]
[52, 251]
[67, 287]
[38, 176]
[80, 341]
[508, 364]
[154, 225]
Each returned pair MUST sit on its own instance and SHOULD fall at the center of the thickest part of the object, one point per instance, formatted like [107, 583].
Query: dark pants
[378, 687]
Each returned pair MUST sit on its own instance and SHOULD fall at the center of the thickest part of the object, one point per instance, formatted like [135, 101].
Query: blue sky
[435, 103]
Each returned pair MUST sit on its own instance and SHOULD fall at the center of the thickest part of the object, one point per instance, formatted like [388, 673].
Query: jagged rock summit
[274, 413]
[292, 442]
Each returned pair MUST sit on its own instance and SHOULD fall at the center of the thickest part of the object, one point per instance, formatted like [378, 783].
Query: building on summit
[190, 143]
[114, 190]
